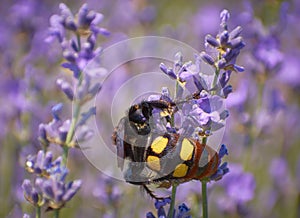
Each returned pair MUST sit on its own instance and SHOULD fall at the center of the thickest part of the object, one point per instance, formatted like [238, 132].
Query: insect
[149, 156]
[139, 115]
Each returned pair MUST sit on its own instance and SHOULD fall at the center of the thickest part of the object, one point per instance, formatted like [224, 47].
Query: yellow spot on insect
[180, 170]
[187, 149]
[159, 144]
[164, 113]
[153, 162]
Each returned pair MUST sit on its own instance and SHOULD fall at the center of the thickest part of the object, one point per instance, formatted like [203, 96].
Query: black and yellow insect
[147, 156]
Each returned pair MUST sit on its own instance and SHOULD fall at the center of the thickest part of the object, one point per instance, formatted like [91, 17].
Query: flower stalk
[56, 213]
[173, 197]
[204, 199]
[38, 212]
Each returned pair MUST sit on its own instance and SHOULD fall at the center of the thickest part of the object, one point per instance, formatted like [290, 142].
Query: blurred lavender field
[261, 132]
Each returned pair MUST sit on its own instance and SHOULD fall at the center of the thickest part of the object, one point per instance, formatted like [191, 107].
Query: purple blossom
[182, 212]
[40, 163]
[107, 191]
[279, 172]
[49, 187]
[222, 168]
[51, 192]
[206, 113]
[267, 51]
[239, 186]
[181, 71]
[226, 44]
[76, 50]
[289, 71]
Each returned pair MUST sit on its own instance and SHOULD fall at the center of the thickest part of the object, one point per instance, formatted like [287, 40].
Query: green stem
[204, 199]
[204, 190]
[65, 155]
[71, 132]
[56, 213]
[74, 122]
[78, 42]
[217, 72]
[172, 205]
[75, 117]
[38, 212]
[204, 140]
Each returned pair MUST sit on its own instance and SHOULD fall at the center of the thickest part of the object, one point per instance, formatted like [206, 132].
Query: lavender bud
[74, 45]
[56, 21]
[161, 212]
[64, 44]
[238, 68]
[82, 14]
[221, 63]
[224, 36]
[98, 18]
[92, 40]
[69, 56]
[87, 46]
[57, 162]
[73, 187]
[231, 54]
[42, 133]
[63, 174]
[199, 83]
[235, 32]
[171, 73]
[63, 130]
[150, 215]
[222, 170]
[39, 162]
[74, 68]
[103, 31]
[223, 151]
[27, 187]
[34, 196]
[85, 116]
[224, 16]
[48, 160]
[47, 189]
[178, 59]
[224, 79]
[164, 68]
[183, 211]
[207, 132]
[90, 17]
[227, 90]
[236, 43]
[165, 92]
[56, 109]
[95, 89]
[212, 41]
[207, 58]
[185, 66]
[65, 11]
[161, 203]
[70, 24]
[66, 88]
[38, 184]
[224, 115]
[167, 71]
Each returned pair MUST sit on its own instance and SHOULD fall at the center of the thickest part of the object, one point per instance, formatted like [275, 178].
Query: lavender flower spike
[222, 168]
